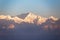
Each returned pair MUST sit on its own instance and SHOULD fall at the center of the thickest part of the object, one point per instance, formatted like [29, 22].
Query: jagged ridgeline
[29, 26]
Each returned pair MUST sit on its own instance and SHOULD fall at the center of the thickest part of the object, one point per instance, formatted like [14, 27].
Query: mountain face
[29, 17]
[29, 27]
[32, 18]
[22, 15]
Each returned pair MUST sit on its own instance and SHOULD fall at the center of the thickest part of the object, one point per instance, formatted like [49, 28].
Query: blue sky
[40, 7]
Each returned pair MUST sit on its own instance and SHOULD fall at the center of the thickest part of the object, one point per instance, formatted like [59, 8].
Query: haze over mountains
[29, 26]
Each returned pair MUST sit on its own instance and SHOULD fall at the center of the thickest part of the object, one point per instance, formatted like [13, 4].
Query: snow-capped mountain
[33, 18]
[29, 17]
[28, 26]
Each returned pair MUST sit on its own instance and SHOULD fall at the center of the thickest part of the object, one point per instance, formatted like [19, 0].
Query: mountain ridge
[28, 17]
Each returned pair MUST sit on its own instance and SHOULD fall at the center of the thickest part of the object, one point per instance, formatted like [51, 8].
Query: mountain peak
[30, 17]
[24, 15]
[29, 13]
[7, 17]
[53, 18]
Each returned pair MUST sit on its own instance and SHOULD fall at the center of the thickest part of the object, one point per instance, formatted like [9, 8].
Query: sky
[44, 8]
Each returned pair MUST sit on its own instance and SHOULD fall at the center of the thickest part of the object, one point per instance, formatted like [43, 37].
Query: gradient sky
[41, 7]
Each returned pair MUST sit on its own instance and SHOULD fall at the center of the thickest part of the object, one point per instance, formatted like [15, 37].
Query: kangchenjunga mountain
[29, 26]
[28, 17]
